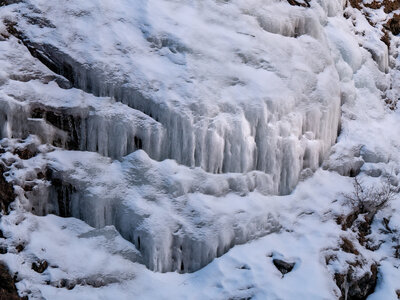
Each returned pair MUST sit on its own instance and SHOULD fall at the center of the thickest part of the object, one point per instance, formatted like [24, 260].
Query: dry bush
[365, 202]
[369, 199]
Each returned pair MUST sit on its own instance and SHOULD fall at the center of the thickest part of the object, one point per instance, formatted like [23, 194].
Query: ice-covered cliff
[209, 93]
[233, 87]
[261, 93]
[180, 126]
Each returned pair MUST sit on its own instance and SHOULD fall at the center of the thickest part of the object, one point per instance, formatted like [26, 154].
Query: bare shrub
[365, 202]
[365, 199]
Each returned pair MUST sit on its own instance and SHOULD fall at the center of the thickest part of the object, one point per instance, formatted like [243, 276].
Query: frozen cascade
[264, 102]
[162, 208]
[287, 120]
[108, 130]
[101, 193]
[69, 118]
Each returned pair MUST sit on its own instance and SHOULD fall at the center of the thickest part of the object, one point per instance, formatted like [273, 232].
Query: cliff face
[221, 94]
[178, 130]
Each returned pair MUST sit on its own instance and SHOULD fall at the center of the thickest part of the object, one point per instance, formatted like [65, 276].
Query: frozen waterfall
[184, 102]
[257, 111]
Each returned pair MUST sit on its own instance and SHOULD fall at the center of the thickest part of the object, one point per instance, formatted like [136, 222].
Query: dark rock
[359, 288]
[62, 283]
[390, 6]
[28, 186]
[70, 285]
[385, 38]
[26, 153]
[348, 246]
[244, 267]
[356, 3]
[65, 283]
[40, 266]
[394, 24]
[6, 190]
[20, 247]
[2, 234]
[9, 2]
[63, 120]
[3, 250]
[38, 21]
[306, 3]
[62, 192]
[283, 266]
[16, 278]
[8, 291]
[40, 175]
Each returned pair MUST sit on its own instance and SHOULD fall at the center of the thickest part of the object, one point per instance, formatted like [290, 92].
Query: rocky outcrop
[393, 24]
[6, 190]
[8, 291]
[64, 120]
[356, 287]
[357, 275]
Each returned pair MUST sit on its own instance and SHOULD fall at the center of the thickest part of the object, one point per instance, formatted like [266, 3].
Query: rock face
[357, 288]
[6, 190]
[7, 286]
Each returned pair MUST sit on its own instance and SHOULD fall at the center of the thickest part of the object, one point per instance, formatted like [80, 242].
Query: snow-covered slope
[200, 112]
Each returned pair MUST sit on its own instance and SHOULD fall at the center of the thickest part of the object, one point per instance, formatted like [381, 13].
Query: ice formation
[225, 95]
[197, 111]
[68, 118]
[174, 216]
[112, 198]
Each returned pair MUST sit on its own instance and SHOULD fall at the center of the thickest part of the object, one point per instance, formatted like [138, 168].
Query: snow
[245, 270]
[254, 90]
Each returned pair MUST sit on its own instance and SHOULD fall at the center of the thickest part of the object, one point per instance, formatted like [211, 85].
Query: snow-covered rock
[210, 108]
